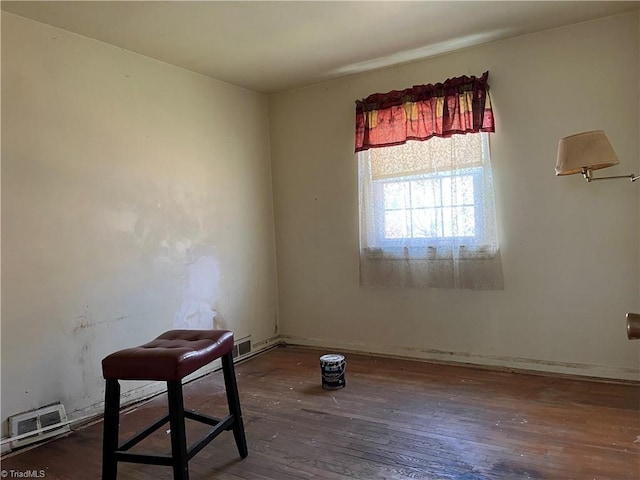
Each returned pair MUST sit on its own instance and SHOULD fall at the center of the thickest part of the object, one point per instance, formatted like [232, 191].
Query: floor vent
[38, 425]
[242, 347]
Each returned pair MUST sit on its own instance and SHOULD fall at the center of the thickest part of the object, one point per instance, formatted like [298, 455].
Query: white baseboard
[5, 448]
[486, 361]
[264, 345]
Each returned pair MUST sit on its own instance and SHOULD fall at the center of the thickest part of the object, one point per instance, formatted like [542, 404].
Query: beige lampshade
[585, 150]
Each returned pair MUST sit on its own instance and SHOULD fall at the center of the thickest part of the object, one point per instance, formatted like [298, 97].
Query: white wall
[135, 196]
[570, 249]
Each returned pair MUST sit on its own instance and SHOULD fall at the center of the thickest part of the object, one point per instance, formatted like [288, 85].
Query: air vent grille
[242, 347]
[27, 425]
[38, 425]
[48, 419]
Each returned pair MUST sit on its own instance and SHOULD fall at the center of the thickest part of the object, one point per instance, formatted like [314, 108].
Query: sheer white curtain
[427, 215]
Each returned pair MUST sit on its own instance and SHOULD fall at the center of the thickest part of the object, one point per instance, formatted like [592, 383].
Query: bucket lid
[332, 358]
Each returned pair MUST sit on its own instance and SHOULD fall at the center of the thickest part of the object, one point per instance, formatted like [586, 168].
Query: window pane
[458, 222]
[425, 193]
[396, 195]
[447, 194]
[448, 222]
[396, 224]
[425, 223]
[466, 221]
[463, 186]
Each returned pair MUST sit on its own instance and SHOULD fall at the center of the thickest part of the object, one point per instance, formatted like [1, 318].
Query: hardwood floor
[395, 419]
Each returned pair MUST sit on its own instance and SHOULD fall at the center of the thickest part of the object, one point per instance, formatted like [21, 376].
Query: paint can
[332, 367]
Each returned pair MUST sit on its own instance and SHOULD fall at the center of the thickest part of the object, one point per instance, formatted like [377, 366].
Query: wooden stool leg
[178, 431]
[233, 400]
[110, 429]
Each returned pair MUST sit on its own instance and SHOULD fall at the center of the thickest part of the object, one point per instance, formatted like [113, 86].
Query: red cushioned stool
[169, 358]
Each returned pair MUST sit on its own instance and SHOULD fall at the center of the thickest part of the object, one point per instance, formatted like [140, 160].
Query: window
[427, 206]
[426, 194]
[430, 192]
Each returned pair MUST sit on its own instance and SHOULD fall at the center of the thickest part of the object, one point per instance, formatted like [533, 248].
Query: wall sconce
[585, 152]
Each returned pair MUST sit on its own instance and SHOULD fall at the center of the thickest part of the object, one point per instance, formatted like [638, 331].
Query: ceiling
[271, 46]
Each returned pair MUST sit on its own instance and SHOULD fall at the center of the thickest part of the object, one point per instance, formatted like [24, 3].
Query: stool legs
[233, 399]
[111, 427]
[178, 431]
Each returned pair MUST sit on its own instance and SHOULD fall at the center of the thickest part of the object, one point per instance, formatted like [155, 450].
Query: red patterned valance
[458, 105]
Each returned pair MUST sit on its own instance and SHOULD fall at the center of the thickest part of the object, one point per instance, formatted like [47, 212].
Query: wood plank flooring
[396, 419]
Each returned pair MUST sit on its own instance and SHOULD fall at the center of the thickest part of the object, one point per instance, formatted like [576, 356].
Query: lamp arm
[587, 173]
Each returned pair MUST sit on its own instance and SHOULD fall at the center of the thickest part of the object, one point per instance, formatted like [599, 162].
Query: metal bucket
[332, 367]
